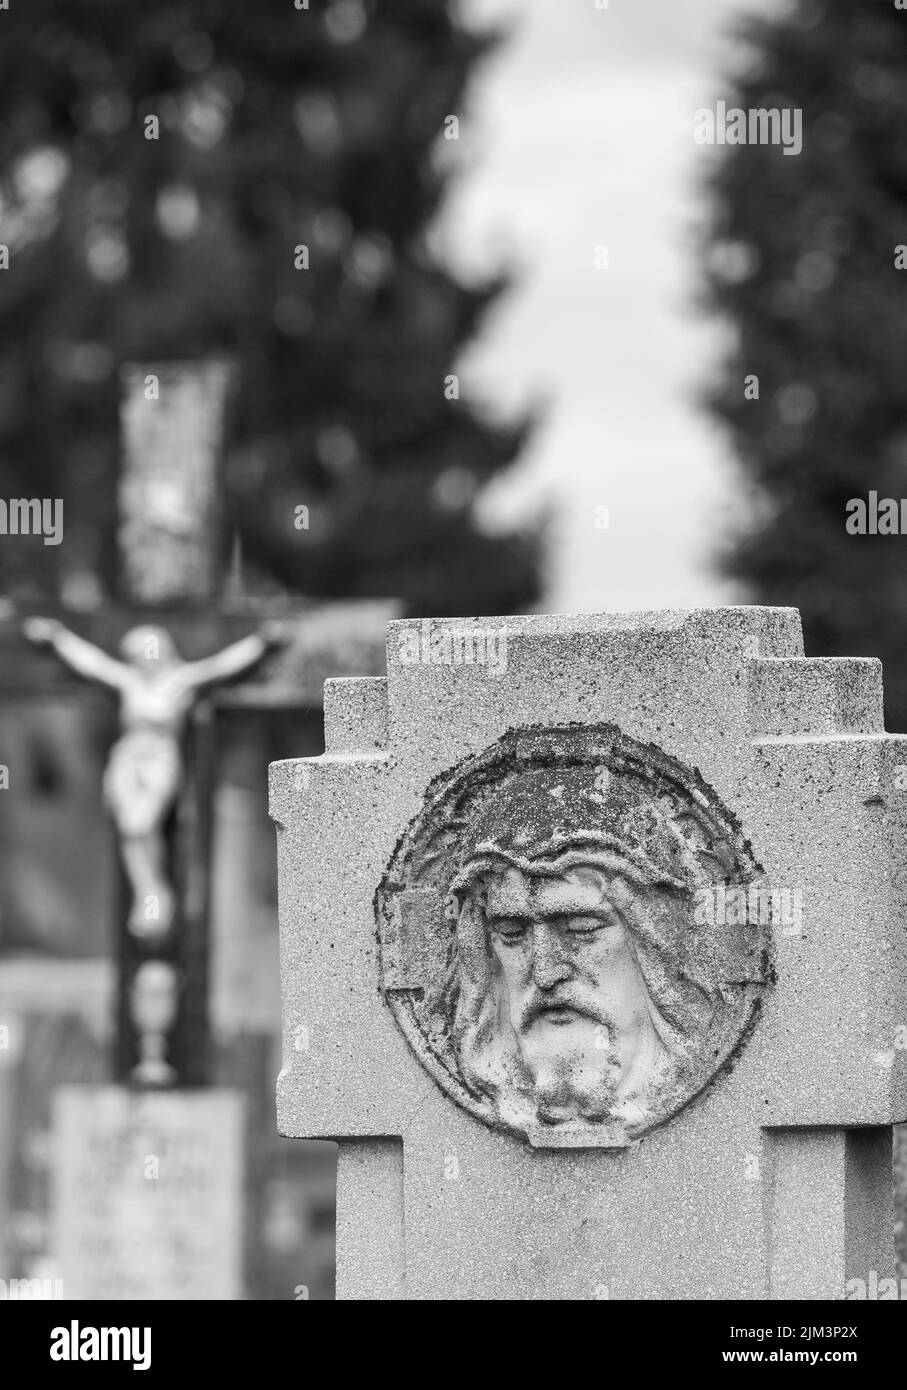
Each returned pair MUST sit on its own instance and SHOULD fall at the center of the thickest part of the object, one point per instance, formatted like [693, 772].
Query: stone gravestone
[149, 1189]
[593, 961]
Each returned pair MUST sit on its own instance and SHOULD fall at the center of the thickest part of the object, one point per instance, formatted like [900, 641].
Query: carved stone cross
[594, 961]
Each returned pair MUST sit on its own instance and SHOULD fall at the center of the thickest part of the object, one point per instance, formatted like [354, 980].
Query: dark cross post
[170, 554]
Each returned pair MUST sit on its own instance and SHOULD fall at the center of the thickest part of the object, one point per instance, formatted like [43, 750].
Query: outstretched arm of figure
[81, 656]
[232, 661]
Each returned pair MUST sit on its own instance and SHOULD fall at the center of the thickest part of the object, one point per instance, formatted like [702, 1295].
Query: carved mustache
[540, 1003]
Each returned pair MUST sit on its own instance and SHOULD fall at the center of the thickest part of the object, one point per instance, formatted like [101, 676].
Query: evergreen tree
[203, 177]
[801, 260]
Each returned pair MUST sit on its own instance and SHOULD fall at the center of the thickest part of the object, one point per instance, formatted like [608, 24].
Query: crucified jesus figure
[144, 772]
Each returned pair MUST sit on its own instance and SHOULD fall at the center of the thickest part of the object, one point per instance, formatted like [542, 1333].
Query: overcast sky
[579, 134]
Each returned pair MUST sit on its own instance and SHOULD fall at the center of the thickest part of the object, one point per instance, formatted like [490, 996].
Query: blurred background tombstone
[148, 1192]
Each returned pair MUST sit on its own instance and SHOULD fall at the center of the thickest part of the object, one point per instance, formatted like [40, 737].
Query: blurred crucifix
[144, 772]
[174, 591]
[160, 774]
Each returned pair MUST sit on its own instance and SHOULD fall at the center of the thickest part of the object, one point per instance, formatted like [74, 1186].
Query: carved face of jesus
[572, 991]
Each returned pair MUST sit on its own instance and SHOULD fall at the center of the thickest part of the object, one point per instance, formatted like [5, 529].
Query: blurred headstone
[148, 1193]
[594, 961]
[54, 1045]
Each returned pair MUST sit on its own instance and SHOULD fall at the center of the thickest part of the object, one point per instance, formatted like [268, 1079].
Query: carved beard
[578, 1082]
[528, 1080]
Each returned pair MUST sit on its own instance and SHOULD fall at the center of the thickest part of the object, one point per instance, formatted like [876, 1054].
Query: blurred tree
[198, 177]
[801, 259]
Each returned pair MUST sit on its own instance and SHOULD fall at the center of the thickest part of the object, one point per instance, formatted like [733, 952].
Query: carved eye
[509, 929]
[587, 926]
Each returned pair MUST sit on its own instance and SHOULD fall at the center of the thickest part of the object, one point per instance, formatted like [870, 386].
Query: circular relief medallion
[554, 937]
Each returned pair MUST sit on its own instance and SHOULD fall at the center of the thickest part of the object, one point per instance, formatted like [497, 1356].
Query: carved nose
[549, 965]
